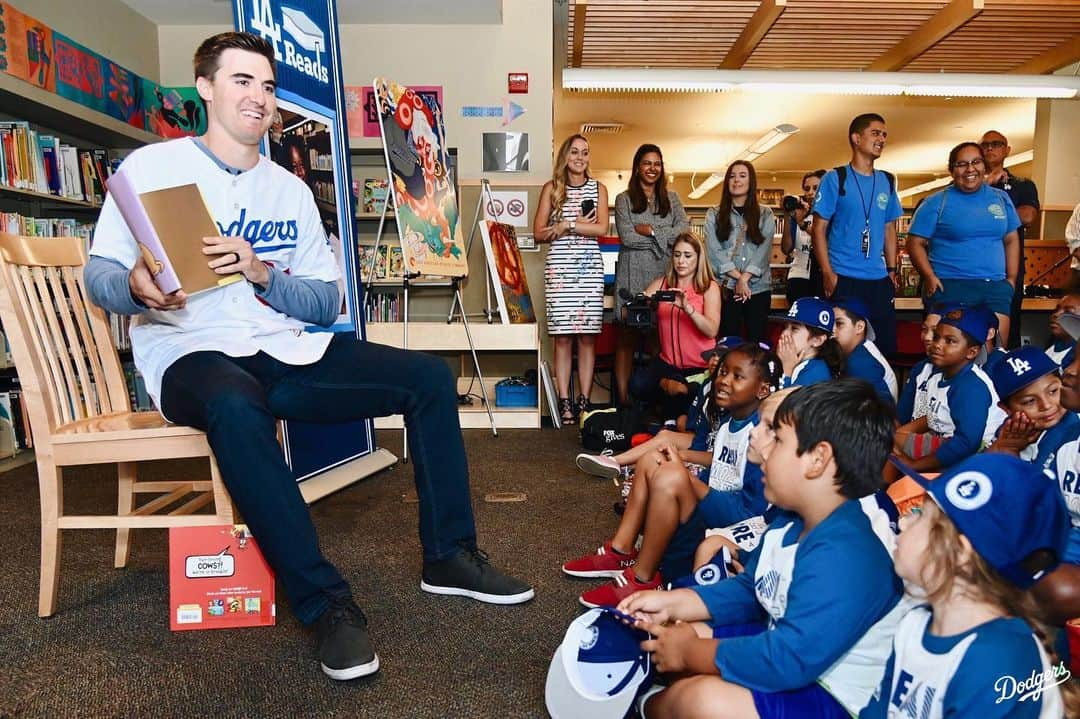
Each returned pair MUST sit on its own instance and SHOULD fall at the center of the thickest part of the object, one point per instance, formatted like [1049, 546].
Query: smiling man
[854, 233]
[232, 360]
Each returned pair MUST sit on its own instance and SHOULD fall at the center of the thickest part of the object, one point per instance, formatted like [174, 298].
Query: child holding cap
[962, 413]
[855, 335]
[996, 525]
[806, 347]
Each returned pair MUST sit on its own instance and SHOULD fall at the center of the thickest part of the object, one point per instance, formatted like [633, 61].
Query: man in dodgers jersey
[231, 360]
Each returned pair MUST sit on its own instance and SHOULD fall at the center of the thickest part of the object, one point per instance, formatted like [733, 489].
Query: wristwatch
[890, 270]
[572, 225]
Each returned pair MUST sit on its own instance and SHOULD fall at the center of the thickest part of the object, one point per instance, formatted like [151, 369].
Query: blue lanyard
[866, 206]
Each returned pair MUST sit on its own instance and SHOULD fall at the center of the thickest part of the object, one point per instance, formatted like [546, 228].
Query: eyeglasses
[992, 144]
[963, 165]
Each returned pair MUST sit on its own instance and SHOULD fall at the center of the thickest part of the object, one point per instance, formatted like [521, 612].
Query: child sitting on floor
[993, 525]
[962, 414]
[914, 401]
[855, 335]
[821, 581]
[806, 347]
[666, 495]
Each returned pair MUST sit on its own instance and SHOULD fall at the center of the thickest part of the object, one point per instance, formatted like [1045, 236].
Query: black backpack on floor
[609, 429]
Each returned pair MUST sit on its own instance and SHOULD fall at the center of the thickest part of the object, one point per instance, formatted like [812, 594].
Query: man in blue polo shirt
[854, 234]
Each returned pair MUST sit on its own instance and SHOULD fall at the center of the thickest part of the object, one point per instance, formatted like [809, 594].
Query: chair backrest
[60, 342]
[909, 338]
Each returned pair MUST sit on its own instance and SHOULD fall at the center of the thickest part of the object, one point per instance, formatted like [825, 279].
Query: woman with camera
[571, 214]
[740, 233]
[648, 218]
[963, 240]
[804, 277]
[687, 317]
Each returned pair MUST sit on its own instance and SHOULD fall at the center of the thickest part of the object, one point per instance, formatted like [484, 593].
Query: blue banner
[309, 138]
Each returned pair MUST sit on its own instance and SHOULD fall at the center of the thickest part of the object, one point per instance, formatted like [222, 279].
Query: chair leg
[223, 504]
[126, 474]
[51, 489]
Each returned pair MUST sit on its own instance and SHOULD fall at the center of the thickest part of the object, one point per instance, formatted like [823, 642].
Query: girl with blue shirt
[806, 348]
[740, 232]
[992, 527]
[970, 231]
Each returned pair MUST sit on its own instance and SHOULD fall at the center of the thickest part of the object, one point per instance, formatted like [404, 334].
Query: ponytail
[830, 353]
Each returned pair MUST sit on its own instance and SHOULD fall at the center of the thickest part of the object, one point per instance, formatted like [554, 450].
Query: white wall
[469, 61]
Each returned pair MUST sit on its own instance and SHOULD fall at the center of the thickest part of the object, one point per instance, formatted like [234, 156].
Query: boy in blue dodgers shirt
[914, 401]
[854, 230]
[806, 348]
[855, 335]
[821, 579]
[963, 409]
[231, 360]
[992, 527]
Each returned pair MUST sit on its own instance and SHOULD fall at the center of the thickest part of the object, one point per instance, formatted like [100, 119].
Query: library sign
[309, 139]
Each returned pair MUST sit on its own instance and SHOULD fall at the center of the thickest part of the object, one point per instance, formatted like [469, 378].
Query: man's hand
[234, 254]
[829, 280]
[143, 289]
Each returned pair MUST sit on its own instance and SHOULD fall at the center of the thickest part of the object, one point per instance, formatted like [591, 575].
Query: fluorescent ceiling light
[766, 142]
[1017, 159]
[828, 82]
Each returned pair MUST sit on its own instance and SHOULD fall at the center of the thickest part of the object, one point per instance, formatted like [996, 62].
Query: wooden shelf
[19, 192]
[390, 216]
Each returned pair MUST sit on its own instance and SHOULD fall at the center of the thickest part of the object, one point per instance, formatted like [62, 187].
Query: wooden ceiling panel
[1007, 35]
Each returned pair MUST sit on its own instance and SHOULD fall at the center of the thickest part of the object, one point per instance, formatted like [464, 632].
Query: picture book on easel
[504, 262]
[425, 200]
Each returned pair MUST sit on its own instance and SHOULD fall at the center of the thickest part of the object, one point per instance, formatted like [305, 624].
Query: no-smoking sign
[509, 207]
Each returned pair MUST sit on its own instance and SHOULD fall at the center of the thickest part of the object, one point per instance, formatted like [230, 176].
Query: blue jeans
[236, 401]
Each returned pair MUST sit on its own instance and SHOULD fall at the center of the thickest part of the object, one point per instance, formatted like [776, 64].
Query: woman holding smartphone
[571, 214]
[648, 217]
[740, 233]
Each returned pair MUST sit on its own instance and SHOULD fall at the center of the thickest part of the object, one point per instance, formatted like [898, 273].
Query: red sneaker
[606, 562]
[618, 589]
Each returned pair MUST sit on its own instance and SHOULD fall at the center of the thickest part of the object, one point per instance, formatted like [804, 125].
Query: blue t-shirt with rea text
[864, 195]
[965, 232]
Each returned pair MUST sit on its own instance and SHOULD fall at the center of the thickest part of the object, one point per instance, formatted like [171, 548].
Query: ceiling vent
[601, 128]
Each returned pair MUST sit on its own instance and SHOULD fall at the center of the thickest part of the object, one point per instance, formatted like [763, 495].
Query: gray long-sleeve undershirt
[313, 301]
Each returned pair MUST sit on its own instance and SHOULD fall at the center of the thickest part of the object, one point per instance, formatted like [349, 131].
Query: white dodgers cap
[597, 670]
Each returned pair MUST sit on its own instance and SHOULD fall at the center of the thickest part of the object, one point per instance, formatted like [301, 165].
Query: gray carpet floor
[109, 652]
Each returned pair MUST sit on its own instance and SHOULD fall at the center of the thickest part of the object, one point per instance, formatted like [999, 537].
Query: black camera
[638, 309]
[791, 203]
[664, 296]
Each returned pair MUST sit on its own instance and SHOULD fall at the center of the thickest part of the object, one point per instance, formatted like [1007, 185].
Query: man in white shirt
[232, 360]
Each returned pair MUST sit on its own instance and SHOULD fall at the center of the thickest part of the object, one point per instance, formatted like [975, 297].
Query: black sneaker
[469, 574]
[345, 650]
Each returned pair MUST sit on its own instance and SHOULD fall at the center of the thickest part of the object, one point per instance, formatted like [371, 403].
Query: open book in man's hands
[169, 225]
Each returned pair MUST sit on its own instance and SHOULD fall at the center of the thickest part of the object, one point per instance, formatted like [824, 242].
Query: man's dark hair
[861, 122]
[847, 414]
[207, 57]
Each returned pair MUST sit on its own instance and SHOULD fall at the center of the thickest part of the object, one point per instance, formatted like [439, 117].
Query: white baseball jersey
[267, 206]
[729, 455]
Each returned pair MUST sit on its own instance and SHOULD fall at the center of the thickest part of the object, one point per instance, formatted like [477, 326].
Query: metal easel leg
[475, 358]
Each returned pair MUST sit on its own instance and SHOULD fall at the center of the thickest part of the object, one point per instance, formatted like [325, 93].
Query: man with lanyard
[231, 360]
[1025, 197]
[855, 232]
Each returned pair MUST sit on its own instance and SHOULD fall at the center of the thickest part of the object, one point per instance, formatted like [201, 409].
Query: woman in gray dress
[648, 217]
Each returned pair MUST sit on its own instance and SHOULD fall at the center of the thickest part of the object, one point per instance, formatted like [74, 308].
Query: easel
[485, 194]
[457, 302]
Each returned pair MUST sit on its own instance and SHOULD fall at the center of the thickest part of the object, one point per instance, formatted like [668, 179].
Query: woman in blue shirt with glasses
[964, 242]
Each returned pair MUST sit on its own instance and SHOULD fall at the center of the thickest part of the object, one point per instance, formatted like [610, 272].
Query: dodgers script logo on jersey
[264, 235]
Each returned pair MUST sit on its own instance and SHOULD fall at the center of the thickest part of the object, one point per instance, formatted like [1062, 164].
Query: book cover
[169, 225]
[374, 195]
[218, 579]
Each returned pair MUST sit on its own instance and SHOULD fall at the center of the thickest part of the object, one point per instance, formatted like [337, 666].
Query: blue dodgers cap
[969, 320]
[1019, 368]
[598, 669]
[810, 311]
[857, 307]
[722, 343]
[940, 308]
[1012, 512]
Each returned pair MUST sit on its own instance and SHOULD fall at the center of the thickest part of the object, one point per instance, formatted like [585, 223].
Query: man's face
[240, 97]
[1068, 303]
[995, 147]
[870, 141]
